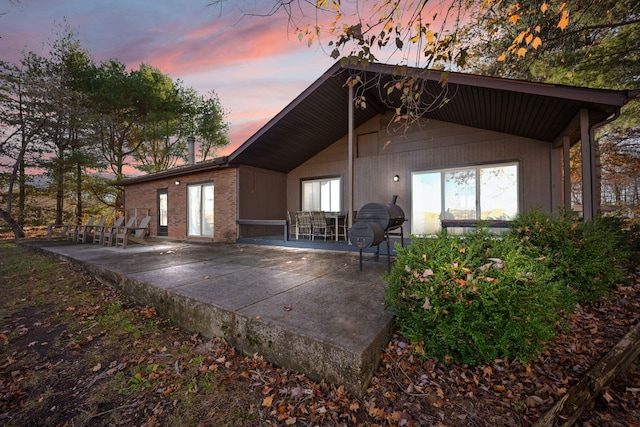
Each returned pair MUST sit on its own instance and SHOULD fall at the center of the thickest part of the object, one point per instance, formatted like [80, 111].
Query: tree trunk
[18, 233]
[21, 193]
[59, 192]
[79, 190]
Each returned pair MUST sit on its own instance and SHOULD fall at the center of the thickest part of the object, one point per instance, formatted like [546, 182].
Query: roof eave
[218, 163]
[293, 104]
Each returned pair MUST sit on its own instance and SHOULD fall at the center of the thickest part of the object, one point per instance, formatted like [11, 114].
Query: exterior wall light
[177, 182]
[396, 178]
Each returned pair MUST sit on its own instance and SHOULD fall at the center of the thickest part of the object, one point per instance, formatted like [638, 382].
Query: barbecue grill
[375, 223]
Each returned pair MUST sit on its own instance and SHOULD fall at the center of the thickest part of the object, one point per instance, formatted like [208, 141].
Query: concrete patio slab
[306, 310]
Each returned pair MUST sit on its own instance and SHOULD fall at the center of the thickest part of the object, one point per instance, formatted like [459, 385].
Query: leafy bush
[585, 258]
[479, 297]
[472, 298]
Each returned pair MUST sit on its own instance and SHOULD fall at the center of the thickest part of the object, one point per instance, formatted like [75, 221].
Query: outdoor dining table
[336, 217]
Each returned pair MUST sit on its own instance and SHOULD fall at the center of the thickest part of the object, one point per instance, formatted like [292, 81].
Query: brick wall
[143, 197]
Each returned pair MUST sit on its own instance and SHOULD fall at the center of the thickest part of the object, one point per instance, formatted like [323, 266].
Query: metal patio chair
[320, 227]
[304, 224]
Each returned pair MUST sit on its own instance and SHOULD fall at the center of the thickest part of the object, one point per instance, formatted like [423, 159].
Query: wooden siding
[432, 145]
[261, 195]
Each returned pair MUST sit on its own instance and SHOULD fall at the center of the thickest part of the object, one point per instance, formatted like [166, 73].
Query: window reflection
[476, 193]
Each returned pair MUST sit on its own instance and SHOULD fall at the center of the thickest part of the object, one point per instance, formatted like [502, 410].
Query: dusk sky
[255, 65]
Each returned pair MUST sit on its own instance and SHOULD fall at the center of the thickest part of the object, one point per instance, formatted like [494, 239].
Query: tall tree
[596, 42]
[69, 68]
[23, 114]
[118, 114]
[207, 123]
[160, 145]
[182, 113]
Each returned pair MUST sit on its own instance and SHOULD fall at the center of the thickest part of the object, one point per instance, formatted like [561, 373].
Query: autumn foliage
[479, 297]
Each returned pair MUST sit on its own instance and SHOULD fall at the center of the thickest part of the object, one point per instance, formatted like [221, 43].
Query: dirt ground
[74, 352]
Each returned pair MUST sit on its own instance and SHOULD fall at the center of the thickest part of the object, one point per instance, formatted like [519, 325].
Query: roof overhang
[319, 116]
[218, 163]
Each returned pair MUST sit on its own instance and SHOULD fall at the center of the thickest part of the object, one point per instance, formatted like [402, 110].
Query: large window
[322, 194]
[200, 207]
[476, 193]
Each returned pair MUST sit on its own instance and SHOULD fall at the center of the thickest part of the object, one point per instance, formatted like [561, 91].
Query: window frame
[442, 195]
[202, 209]
[337, 199]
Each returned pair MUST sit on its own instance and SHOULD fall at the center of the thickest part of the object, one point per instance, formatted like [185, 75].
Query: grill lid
[387, 215]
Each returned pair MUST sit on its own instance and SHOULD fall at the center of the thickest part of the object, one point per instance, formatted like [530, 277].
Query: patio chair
[292, 219]
[96, 232]
[343, 225]
[60, 230]
[72, 232]
[304, 224]
[134, 234]
[98, 235]
[83, 230]
[110, 232]
[320, 227]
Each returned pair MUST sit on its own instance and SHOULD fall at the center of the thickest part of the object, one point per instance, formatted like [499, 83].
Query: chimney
[191, 156]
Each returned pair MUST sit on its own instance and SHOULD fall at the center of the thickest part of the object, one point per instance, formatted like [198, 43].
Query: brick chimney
[191, 148]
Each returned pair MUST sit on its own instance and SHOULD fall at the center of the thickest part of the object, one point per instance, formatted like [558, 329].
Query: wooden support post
[588, 168]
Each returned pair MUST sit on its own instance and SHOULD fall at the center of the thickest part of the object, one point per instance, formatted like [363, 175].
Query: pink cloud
[256, 65]
[215, 46]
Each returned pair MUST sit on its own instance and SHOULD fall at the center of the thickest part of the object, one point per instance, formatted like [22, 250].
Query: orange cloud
[214, 45]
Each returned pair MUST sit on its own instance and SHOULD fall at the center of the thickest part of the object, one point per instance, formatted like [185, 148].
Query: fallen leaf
[268, 401]
[296, 393]
[533, 401]
[97, 367]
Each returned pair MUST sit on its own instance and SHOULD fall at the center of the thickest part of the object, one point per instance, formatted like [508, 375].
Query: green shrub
[479, 297]
[585, 258]
[473, 298]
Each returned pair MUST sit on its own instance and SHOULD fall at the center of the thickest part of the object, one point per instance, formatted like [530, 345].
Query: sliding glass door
[488, 192]
[200, 210]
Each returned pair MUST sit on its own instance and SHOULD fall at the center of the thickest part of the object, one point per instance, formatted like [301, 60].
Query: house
[486, 148]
